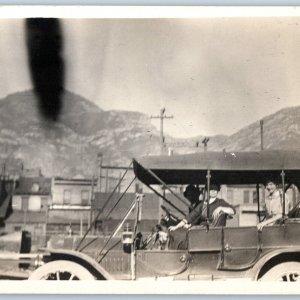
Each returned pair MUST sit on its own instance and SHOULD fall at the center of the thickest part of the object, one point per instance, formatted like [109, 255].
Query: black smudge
[44, 41]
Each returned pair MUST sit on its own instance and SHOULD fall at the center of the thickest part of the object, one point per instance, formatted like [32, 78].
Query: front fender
[273, 257]
[83, 259]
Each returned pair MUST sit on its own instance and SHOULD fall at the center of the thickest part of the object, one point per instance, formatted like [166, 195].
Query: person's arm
[223, 207]
[181, 224]
[190, 219]
[270, 221]
[225, 210]
[288, 204]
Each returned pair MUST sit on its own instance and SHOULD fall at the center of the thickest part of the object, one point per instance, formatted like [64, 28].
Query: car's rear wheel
[288, 271]
[61, 270]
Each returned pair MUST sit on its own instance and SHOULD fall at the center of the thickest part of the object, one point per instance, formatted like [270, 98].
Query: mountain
[281, 132]
[70, 146]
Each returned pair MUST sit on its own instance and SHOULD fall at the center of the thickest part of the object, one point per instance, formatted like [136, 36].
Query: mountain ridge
[70, 146]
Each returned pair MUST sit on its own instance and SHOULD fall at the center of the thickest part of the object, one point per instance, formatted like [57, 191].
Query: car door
[281, 236]
[241, 247]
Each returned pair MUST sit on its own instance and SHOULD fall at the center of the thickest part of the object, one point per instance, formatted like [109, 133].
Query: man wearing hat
[217, 206]
[192, 193]
[274, 204]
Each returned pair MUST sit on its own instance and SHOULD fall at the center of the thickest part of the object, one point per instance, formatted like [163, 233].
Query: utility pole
[92, 204]
[99, 161]
[261, 134]
[162, 116]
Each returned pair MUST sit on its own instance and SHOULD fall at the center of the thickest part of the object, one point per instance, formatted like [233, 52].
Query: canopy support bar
[258, 202]
[103, 207]
[208, 176]
[283, 189]
[132, 206]
[116, 204]
[106, 218]
[165, 199]
[165, 185]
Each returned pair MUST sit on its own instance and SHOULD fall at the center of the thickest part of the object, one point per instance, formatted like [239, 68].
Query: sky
[213, 75]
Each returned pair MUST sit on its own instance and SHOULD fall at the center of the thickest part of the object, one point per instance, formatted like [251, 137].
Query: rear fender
[271, 259]
[82, 259]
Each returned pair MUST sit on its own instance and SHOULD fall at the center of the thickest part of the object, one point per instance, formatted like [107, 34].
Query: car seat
[220, 221]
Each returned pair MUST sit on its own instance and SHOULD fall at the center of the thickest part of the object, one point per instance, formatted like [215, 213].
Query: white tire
[61, 270]
[288, 271]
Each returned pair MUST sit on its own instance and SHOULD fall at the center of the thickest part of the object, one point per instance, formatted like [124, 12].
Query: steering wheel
[169, 214]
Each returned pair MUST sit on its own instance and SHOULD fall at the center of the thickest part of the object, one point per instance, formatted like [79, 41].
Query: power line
[183, 127]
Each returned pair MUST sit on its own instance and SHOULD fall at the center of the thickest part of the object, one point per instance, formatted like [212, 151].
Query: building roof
[74, 181]
[34, 186]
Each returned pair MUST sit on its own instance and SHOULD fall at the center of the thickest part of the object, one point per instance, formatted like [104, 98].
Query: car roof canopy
[225, 167]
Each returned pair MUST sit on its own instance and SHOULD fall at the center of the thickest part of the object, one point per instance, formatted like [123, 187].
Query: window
[246, 197]
[230, 196]
[254, 194]
[17, 203]
[34, 203]
[67, 196]
[85, 197]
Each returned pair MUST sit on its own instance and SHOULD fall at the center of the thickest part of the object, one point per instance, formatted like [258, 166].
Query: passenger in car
[274, 204]
[217, 206]
[157, 239]
[192, 193]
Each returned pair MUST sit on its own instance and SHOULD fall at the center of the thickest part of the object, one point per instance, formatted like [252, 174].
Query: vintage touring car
[210, 252]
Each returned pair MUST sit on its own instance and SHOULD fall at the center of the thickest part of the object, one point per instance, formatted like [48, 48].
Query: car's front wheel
[288, 271]
[61, 270]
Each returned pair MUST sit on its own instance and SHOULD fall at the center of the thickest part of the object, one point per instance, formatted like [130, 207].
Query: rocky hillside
[70, 146]
[281, 131]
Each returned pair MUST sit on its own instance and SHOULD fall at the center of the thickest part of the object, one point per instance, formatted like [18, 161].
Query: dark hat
[214, 186]
[191, 189]
[270, 179]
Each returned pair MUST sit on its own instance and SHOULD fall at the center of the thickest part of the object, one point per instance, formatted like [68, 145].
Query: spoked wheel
[288, 271]
[61, 270]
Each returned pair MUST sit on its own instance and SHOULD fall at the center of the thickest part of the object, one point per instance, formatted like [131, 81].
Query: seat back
[295, 213]
[220, 221]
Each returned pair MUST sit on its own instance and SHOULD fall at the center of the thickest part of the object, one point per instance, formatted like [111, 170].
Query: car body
[209, 253]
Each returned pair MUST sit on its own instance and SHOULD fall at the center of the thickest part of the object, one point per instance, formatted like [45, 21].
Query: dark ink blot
[44, 43]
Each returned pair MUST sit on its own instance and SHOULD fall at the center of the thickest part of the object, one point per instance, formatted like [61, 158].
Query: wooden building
[30, 202]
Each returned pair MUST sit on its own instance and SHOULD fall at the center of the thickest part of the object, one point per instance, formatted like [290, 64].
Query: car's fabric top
[225, 167]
